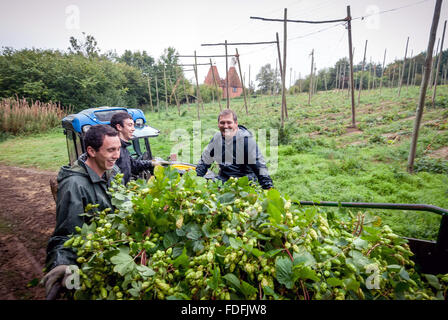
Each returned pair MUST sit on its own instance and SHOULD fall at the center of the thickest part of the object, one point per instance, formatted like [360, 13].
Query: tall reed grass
[18, 116]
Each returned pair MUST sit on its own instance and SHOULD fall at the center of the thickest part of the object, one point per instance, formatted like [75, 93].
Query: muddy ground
[27, 219]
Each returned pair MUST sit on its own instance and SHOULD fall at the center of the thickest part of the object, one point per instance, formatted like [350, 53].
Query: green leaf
[247, 289]
[360, 244]
[304, 257]
[351, 284]
[235, 243]
[404, 274]
[432, 280]
[170, 239]
[301, 272]
[194, 232]
[182, 260]
[226, 198]
[123, 262]
[145, 271]
[198, 245]
[274, 212]
[284, 274]
[268, 291]
[215, 280]
[272, 253]
[359, 260]
[334, 282]
[233, 281]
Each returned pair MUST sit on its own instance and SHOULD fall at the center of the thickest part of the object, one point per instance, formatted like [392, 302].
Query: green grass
[318, 158]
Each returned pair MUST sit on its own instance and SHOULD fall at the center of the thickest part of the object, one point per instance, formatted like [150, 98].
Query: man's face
[126, 130]
[227, 126]
[107, 154]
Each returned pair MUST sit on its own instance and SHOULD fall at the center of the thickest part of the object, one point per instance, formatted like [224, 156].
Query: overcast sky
[154, 25]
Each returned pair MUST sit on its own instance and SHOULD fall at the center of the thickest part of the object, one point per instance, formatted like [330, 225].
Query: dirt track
[27, 219]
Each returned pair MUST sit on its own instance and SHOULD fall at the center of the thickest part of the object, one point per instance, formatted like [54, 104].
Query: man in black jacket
[124, 124]
[86, 181]
[236, 152]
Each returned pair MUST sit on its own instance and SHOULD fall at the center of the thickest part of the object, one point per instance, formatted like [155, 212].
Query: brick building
[235, 86]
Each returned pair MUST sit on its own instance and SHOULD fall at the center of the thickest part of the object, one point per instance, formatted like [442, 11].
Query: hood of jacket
[80, 168]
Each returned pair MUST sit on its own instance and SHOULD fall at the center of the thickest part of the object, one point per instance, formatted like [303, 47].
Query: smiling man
[86, 181]
[124, 124]
[236, 152]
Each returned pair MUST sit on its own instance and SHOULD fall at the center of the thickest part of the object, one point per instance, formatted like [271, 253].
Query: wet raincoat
[237, 157]
[78, 186]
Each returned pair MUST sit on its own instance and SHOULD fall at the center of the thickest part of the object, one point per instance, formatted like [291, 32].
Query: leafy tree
[267, 79]
[87, 47]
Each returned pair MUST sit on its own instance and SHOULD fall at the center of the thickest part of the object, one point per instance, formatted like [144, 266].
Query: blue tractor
[76, 125]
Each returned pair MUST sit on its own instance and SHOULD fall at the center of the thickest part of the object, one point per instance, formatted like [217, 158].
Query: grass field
[319, 157]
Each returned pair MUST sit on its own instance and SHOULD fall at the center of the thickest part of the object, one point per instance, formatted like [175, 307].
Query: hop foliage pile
[182, 237]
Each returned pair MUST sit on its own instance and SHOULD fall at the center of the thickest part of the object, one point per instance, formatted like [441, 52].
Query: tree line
[83, 77]
[337, 77]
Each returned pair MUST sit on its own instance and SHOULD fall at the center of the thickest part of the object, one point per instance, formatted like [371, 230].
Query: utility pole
[424, 86]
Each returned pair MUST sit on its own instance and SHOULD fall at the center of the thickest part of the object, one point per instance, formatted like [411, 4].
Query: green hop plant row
[182, 237]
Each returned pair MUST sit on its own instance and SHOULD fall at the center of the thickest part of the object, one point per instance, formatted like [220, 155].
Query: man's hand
[55, 280]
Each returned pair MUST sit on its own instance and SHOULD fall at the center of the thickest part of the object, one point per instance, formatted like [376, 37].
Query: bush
[431, 165]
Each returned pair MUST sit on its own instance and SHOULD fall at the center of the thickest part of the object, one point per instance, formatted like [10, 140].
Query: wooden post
[198, 92]
[343, 77]
[157, 94]
[300, 83]
[166, 89]
[382, 70]
[399, 73]
[216, 86]
[325, 82]
[185, 92]
[174, 90]
[444, 77]
[370, 74]
[350, 50]
[431, 76]
[149, 90]
[317, 80]
[393, 77]
[424, 86]
[404, 65]
[311, 78]
[249, 86]
[227, 78]
[409, 70]
[290, 77]
[414, 72]
[337, 77]
[438, 67]
[285, 40]
[242, 82]
[248, 96]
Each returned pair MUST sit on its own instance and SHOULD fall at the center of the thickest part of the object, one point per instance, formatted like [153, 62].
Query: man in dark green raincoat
[86, 181]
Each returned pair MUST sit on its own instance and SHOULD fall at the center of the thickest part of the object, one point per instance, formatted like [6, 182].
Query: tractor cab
[76, 125]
